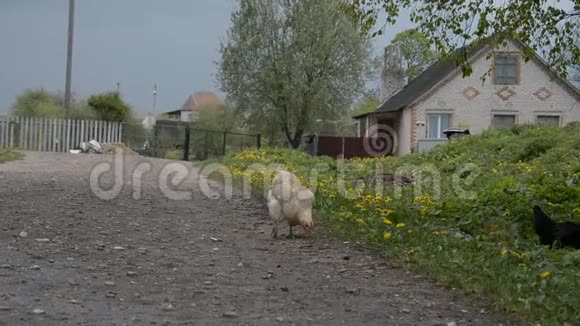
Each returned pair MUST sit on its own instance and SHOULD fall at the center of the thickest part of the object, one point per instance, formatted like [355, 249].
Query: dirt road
[69, 257]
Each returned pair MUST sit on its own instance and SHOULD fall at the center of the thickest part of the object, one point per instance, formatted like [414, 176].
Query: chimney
[393, 74]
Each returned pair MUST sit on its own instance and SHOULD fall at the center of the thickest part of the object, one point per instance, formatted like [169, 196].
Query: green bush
[484, 243]
[110, 107]
[9, 155]
[44, 104]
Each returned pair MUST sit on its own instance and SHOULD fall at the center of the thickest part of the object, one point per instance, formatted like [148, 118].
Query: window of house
[505, 69]
[438, 122]
[503, 121]
[548, 120]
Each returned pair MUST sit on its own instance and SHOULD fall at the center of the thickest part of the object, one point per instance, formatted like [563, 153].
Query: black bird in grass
[561, 233]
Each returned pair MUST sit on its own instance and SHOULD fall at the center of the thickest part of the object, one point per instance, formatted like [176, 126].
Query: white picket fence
[55, 135]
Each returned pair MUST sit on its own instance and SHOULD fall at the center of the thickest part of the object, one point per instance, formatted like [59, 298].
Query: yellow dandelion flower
[388, 199]
[349, 214]
[518, 255]
[576, 210]
[388, 211]
[387, 221]
[504, 252]
[400, 225]
[387, 235]
[360, 221]
[544, 275]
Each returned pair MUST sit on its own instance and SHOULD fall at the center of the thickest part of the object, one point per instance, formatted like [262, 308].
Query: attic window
[506, 69]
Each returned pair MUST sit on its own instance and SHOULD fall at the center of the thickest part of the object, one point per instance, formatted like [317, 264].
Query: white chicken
[290, 201]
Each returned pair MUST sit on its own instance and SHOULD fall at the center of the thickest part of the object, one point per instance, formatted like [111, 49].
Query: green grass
[9, 155]
[483, 243]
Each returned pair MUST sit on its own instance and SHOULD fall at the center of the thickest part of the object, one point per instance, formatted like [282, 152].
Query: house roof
[173, 112]
[436, 73]
[199, 100]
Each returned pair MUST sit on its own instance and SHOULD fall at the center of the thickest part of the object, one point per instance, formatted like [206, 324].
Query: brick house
[194, 103]
[517, 92]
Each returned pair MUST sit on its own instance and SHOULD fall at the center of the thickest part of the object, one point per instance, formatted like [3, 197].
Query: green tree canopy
[44, 104]
[219, 118]
[36, 103]
[367, 103]
[545, 26]
[110, 106]
[575, 68]
[413, 50]
[290, 62]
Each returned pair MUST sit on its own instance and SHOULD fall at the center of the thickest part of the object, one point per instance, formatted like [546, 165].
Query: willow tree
[291, 62]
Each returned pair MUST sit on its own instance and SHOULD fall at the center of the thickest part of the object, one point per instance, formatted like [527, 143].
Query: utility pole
[71, 17]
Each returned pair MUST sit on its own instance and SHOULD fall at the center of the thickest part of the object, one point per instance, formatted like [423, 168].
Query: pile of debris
[118, 148]
[93, 147]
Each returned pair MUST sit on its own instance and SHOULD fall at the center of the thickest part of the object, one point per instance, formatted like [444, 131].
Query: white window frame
[503, 70]
[551, 116]
[504, 114]
[439, 129]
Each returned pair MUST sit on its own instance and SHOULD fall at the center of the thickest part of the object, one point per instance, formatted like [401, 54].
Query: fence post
[224, 144]
[186, 143]
[120, 132]
[12, 132]
[155, 141]
[206, 146]
[259, 141]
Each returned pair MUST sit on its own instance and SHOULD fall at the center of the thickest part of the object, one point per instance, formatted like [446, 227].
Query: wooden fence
[349, 147]
[55, 135]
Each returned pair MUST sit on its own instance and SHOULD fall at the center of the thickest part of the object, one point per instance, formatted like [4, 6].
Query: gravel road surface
[71, 257]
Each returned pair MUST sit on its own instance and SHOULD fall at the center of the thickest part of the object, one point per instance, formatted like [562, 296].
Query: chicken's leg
[290, 234]
[275, 230]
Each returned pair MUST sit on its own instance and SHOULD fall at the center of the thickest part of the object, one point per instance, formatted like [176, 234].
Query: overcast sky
[134, 42]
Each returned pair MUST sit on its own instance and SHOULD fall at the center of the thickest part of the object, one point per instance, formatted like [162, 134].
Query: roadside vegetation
[475, 231]
[9, 155]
